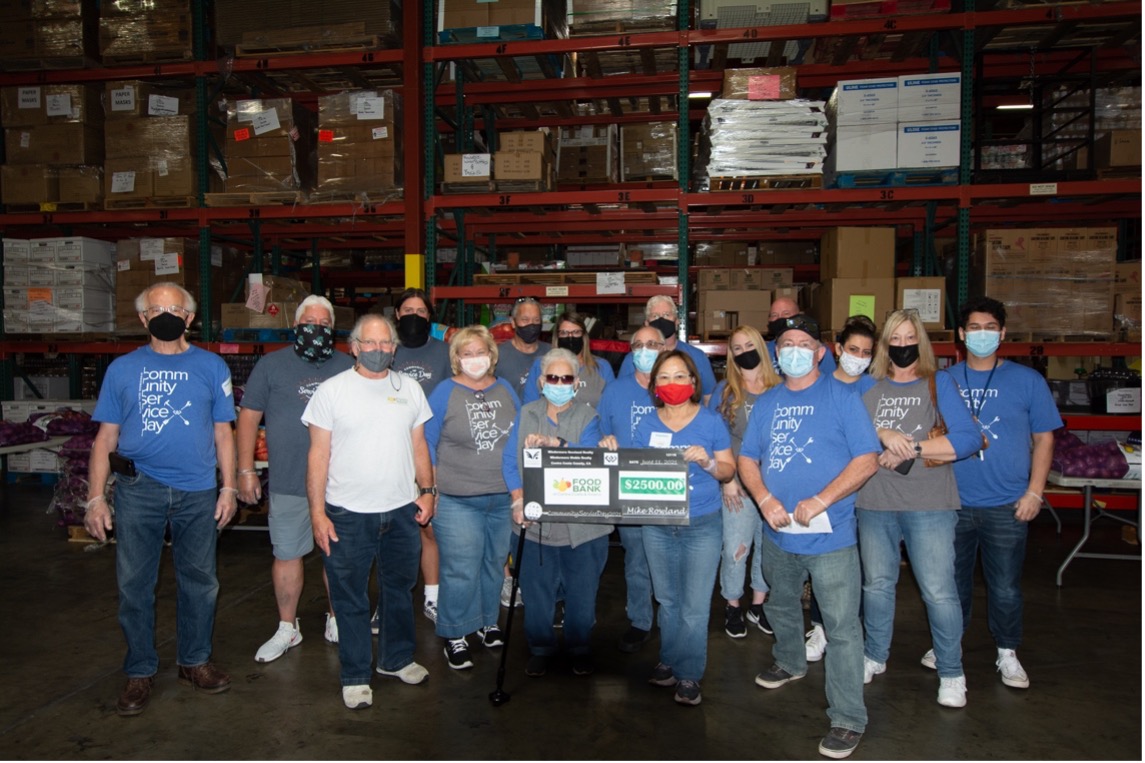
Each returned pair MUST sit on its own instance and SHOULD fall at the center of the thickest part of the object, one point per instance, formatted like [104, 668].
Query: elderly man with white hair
[279, 388]
[661, 313]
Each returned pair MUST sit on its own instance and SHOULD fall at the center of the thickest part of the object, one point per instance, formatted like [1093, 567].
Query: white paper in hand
[820, 523]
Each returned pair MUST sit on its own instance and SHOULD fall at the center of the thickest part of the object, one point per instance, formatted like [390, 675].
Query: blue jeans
[393, 540]
[683, 562]
[1002, 539]
[835, 575]
[143, 509]
[637, 579]
[473, 533]
[574, 574]
[743, 529]
[929, 537]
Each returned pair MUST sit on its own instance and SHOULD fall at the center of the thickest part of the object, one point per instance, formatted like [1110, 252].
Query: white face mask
[853, 366]
[476, 367]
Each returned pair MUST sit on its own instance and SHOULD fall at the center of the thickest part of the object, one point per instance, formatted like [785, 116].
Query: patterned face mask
[313, 343]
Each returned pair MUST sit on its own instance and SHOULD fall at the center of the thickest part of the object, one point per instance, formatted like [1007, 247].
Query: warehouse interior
[855, 156]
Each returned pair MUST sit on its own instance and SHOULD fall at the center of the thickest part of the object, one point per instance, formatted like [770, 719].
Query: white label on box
[123, 99]
[167, 264]
[256, 300]
[162, 106]
[58, 105]
[476, 165]
[122, 182]
[380, 133]
[1043, 189]
[488, 31]
[556, 291]
[371, 107]
[1125, 400]
[609, 283]
[928, 303]
[161, 168]
[265, 121]
[216, 256]
[25, 139]
[28, 98]
[123, 265]
[150, 248]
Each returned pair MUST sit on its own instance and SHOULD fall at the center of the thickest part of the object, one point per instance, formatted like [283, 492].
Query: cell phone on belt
[121, 464]
[905, 467]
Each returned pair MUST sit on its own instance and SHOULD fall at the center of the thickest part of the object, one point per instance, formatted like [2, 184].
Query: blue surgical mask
[644, 359]
[983, 343]
[558, 394]
[796, 362]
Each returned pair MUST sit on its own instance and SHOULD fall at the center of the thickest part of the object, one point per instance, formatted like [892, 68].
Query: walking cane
[499, 696]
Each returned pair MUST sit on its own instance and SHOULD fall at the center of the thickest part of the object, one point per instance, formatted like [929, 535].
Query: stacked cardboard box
[1054, 281]
[49, 128]
[150, 145]
[588, 154]
[60, 32]
[235, 22]
[66, 285]
[547, 15]
[648, 152]
[357, 142]
[144, 31]
[593, 17]
[525, 157]
[731, 297]
[927, 295]
[268, 146]
[1127, 301]
[274, 302]
[857, 272]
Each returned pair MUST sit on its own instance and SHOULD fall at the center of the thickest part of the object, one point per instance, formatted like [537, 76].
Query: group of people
[406, 455]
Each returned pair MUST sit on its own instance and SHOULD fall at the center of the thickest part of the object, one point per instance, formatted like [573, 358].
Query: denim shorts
[291, 533]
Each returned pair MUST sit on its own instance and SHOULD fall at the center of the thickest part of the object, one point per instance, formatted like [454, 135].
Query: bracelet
[820, 500]
[765, 499]
[1035, 495]
[712, 467]
[92, 502]
[248, 471]
[229, 490]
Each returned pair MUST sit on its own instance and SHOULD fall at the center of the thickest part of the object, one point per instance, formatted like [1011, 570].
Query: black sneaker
[662, 676]
[633, 639]
[583, 665]
[756, 617]
[687, 693]
[457, 653]
[774, 677]
[733, 622]
[537, 665]
[490, 636]
[839, 743]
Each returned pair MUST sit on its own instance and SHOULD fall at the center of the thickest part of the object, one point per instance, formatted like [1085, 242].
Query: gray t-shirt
[280, 385]
[467, 437]
[738, 425]
[513, 365]
[427, 365]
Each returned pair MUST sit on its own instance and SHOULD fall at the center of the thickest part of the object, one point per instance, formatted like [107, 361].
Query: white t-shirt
[371, 447]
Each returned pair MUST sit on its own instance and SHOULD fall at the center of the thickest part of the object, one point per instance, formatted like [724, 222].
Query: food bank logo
[562, 486]
[577, 487]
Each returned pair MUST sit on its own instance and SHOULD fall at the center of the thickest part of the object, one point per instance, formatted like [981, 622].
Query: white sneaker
[430, 610]
[952, 691]
[507, 591]
[929, 661]
[872, 669]
[331, 633]
[1011, 669]
[286, 637]
[411, 674]
[357, 697]
[816, 643]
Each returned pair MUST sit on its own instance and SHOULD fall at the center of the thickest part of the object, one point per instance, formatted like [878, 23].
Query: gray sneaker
[774, 677]
[839, 743]
[687, 693]
[662, 676]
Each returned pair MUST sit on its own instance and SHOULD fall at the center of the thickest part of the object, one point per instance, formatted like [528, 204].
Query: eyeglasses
[909, 311]
[570, 334]
[155, 310]
[674, 379]
[653, 345]
[480, 395]
[370, 344]
[554, 379]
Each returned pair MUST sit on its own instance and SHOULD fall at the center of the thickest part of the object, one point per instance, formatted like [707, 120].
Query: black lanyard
[976, 406]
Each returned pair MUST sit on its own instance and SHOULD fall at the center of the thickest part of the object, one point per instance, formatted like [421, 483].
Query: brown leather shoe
[135, 696]
[205, 678]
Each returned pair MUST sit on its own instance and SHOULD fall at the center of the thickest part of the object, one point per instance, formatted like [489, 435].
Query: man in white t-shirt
[369, 482]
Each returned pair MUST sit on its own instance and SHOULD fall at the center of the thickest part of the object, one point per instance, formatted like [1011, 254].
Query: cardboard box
[468, 168]
[713, 279]
[135, 99]
[1117, 148]
[72, 143]
[929, 144]
[588, 154]
[787, 253]
[857, 253]
[760, 84]
[83, 185]
[1127, 315]
[35, 105]
[765, 279]
[865, 101]
[738, 301]
[129, 178]
[278, 315]
[29, 184]
[925, 294]
[864, 147]
[648, 151]
[149, 136]
[722, 253]
[529, 141]
[927, 97]
[1127, 277]
[359, 108]
[522, 165]
[840, 298]
[459, 14]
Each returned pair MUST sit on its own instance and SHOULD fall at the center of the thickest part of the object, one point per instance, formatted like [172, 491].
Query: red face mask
[675, 394]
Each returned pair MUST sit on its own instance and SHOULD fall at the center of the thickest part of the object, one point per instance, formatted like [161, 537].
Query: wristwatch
[428, 491]
[918, 449]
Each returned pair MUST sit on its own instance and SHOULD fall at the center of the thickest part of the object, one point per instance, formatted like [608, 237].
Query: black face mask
[313, 343]
[167, 327]
[903, 356]
[748, 360]
[573, 344]
[666, 327]
[775, 326]
[529, 333]
[413, 330]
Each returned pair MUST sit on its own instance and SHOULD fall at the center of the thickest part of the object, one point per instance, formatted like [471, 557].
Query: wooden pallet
[481, 186]
[880, 8]
[254, 199]
[621, 26]
[767, 183]
[896, 178]
[55, 206]
[502, 33]
[268, 50]
[1060, 336]
[653, 178]
[162, 55]
[630, 277]
[522, 186]
[1118, 173]
[521, 278]
[364, 198]
[47, 62]
[152, 202]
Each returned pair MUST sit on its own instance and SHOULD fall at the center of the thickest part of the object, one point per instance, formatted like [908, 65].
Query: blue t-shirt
[804, 440]
[590, 390]
[708, 430]
[827, 365]
[703, 365]
[1016, 405]
[166, 407]
[621, 407]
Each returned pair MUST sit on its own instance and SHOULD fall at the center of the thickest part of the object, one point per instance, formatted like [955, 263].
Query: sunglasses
[554, 379]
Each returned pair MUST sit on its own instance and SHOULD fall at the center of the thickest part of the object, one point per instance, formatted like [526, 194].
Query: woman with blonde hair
[748, 377]
[473, 414]
[911, 502]
[571, 333]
